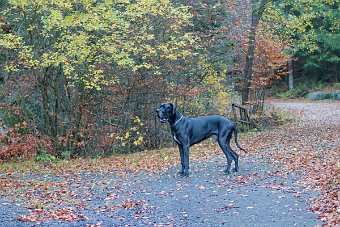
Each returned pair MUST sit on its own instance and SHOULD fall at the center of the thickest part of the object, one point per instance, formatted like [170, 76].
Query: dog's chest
[176, 140]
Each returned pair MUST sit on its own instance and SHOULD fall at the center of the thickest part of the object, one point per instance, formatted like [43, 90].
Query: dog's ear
[173, 108]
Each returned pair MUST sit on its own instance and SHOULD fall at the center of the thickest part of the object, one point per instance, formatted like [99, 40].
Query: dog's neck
[177, 119]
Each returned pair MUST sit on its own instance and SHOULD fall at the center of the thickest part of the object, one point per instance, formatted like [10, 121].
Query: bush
[300, 90]
[269, 118]
[21, 146]
[65, 155]
[319, 95]
[16, 139]
[44, 156]
[336, 86]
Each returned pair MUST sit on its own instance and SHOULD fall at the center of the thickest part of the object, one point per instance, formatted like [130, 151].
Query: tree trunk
[46, 108]
[257, 11]
[249, 66]
[290, 75]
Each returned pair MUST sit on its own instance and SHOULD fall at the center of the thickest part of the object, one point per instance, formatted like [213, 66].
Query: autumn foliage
[271, 58]
[18, 141]
[83, 78]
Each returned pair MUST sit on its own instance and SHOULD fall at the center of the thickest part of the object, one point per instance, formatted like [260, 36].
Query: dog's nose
[157, 110]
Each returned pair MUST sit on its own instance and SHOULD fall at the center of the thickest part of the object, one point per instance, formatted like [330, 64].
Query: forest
[81, 79]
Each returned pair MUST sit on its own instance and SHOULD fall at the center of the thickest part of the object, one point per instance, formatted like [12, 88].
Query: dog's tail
[235, 135]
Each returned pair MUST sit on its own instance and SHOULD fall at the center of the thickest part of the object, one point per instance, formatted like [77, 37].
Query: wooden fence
[242, 115]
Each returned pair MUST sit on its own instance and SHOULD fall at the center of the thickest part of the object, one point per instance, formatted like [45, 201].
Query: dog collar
[178, 120]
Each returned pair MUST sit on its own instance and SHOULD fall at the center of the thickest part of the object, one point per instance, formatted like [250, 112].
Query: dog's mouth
[162, 117]
[164, 120]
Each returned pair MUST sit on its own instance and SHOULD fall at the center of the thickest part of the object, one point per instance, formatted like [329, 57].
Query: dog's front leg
[181, 154]
[186, 160]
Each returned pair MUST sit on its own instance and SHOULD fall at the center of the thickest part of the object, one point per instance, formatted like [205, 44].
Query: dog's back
[215, 121]
[201, 128]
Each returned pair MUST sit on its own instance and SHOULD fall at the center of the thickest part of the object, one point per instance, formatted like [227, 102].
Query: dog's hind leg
[223, 146]
[235, 157]
[233, 153]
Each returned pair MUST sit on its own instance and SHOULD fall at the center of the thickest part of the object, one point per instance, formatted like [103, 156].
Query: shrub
[44, 156]
[16, 138]
[323, 95]
[269, 118]
[300, 90]
[336, 86]
[65, 155]
[21, 146]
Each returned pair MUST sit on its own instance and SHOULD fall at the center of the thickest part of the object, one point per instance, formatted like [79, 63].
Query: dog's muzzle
[162, 119]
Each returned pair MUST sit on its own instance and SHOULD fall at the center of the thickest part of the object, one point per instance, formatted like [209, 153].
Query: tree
[83, 60]
[270, 58]
[257, 11]
[313, 31]
[211, 26]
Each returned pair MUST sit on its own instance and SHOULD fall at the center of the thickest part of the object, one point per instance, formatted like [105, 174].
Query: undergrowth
[320, 95]
[269, 118]
[300, 90]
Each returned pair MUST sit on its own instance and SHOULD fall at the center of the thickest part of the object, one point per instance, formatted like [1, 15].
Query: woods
[80, 142]
[82, 78]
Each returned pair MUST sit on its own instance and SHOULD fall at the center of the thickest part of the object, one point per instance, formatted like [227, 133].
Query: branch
[3, 96]
[257, 12]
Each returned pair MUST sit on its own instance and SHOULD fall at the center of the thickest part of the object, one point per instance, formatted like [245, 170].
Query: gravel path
[206, 198]
[253, 197]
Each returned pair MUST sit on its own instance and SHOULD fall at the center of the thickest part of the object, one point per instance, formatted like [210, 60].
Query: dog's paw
[185, 174]
[235, 170]
[181, 173]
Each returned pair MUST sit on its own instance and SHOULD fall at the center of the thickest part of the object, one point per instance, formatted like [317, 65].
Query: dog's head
[166, 112]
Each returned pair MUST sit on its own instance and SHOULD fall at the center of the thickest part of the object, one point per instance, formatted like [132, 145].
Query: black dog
[189, 131]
